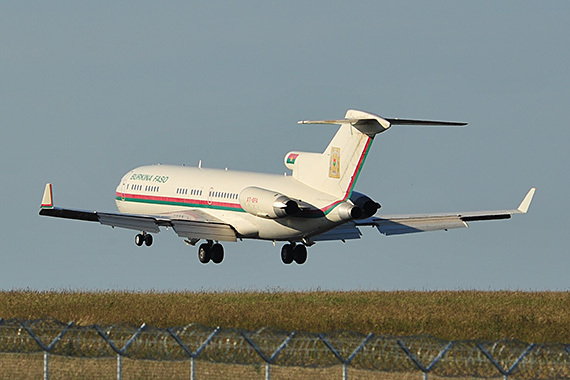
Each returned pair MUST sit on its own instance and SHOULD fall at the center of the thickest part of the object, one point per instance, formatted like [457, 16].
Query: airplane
[316, 202]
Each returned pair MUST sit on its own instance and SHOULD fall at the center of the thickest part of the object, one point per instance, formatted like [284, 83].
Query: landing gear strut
[143, 238]
[210, 251]
[294, 252]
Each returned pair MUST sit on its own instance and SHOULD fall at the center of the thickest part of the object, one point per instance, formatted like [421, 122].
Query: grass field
[453, 315]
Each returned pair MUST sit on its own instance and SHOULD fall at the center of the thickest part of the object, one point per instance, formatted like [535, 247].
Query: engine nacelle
[347, 211]
[366, 204]
[266, 203]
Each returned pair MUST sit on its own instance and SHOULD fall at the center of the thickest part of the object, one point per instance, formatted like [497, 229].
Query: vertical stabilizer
[336, 170]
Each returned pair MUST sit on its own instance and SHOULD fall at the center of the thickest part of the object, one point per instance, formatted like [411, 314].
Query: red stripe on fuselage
[177, 201]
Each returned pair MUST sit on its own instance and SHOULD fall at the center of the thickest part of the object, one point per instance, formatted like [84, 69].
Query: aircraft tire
[148, 240]
[204, 253]
[139, 239]
[300, 254]
[217, 253]
[287, 254]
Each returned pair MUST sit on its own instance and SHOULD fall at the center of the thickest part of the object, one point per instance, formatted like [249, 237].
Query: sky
[90, 90]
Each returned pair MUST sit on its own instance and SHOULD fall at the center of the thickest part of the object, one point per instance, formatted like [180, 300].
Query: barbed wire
[301, 349]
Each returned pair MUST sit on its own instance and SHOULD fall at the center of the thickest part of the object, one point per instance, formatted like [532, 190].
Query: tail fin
[336, 170]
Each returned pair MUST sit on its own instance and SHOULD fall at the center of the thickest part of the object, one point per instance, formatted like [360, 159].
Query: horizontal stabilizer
[391, 121]
[371, 124]
[426, 122]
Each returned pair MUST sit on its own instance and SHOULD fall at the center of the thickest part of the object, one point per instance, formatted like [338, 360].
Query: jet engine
[266, 203]
[367, 205]
[347, 211]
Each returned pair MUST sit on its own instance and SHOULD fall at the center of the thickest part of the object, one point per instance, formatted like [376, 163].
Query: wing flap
[131, 222]
[345, 231]
[203, 230]
[399, 226]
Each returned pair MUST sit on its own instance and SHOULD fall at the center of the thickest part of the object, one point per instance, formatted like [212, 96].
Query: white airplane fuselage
[182, 190]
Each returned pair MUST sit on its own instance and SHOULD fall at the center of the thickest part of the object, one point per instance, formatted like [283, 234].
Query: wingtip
[525, 204]
[47, 200]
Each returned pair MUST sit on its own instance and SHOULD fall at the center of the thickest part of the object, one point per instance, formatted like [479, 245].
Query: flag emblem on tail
[334, 166]
[291, 158]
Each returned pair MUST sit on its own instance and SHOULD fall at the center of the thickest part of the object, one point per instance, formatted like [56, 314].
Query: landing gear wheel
[287, 254]
[300, 254]
[204, 254]
[217, 253]
[148, 240]
[139, 239]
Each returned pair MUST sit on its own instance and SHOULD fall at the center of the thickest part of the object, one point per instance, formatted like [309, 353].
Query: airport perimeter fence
[268, 353]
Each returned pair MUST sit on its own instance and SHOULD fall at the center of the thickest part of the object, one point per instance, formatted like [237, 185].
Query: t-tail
[336, 170]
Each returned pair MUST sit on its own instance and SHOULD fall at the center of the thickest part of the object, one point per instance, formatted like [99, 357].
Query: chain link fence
[266, 353]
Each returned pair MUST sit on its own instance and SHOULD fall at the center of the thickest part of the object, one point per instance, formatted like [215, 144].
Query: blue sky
[90, 90]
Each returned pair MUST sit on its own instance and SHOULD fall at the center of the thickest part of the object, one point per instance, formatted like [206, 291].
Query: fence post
[46, 365]
[45, 348]
[345, 362]
[120, 352]
[268, 360]
[189, 352]
[119, 367]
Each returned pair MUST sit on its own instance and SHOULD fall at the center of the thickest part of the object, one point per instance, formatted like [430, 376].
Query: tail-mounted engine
[267, 204]
[347, 211]
[367, 205]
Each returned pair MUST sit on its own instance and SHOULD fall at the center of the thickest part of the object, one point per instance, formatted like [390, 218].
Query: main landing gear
[294, 252]
[214, 252]
[143, 238]
[210, 251]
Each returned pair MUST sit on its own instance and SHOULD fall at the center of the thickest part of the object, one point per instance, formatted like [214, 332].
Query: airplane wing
[405, 224]
[193, 224]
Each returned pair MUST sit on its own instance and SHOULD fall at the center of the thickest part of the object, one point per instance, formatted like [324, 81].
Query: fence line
[271, 347]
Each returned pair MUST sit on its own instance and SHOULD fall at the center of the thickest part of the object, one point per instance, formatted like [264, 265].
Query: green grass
[452, 315]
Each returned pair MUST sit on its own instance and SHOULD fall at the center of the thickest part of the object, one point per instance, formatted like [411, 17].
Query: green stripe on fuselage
[183, 204]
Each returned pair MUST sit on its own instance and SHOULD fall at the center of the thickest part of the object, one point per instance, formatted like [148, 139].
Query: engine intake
[267, 204]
